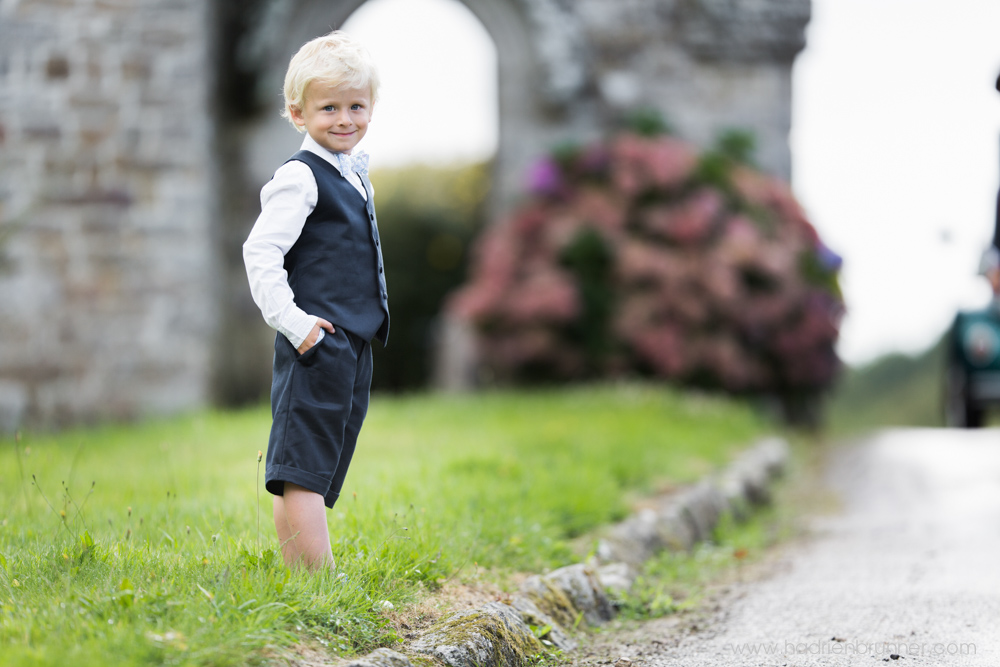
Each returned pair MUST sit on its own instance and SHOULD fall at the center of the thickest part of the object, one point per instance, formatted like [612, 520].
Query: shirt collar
[311, 145]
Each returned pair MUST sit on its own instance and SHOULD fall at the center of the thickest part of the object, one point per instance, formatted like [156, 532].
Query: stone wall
[707, 65]
[105, 286]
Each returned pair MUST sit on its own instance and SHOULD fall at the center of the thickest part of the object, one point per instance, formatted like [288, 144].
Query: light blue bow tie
[357, 162]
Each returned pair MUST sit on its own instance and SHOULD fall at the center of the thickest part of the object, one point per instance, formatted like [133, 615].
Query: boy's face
[335, 117]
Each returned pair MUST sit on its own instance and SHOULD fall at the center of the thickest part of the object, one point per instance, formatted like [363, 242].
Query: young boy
[314, 263]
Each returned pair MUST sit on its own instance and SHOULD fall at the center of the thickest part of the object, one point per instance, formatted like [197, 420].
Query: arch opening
[438, 64]
[443, 65]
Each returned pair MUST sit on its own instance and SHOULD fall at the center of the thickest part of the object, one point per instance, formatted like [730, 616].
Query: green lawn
[140, 544]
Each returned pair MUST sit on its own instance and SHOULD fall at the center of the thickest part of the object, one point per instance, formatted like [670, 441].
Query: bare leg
[300, 519]
[281, 525]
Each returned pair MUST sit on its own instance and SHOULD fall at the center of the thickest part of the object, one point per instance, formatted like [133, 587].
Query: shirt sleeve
[285, 202]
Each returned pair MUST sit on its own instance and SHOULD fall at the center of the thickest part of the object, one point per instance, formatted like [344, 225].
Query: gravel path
[906, 573]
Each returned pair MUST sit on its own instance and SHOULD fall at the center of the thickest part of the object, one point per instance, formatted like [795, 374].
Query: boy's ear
[296, 114]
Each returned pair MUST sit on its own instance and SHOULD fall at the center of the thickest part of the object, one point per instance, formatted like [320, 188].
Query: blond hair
[336, 59]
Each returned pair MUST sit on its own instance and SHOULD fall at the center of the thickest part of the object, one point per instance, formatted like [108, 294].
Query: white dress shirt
[285, 203]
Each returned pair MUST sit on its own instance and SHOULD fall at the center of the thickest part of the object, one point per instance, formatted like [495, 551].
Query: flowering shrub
[642, 255]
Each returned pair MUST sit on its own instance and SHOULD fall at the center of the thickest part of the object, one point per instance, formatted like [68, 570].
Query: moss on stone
[491, 636]
[424, 660]
[552, 601]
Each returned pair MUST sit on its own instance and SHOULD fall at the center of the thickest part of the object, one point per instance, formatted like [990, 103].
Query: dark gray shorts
[318, 402]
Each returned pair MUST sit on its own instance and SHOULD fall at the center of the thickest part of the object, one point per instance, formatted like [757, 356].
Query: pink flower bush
[641, 255]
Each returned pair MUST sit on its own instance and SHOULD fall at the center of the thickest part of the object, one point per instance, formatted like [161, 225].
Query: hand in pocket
[313, 336]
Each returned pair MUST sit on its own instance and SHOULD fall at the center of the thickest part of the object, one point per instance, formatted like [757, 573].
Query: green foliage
[739, 145]
[427, 218]
[715, 166]
[162, 562]
[648, 122]
[713, 170]
[894, 390]
[566, 153]
[590, 259]
[815, 274]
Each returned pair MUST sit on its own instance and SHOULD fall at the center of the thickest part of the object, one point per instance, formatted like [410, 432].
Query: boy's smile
[335, 117]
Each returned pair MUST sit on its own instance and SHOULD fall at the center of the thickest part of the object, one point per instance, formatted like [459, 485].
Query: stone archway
[527, 121]
[254, 144]
[570, 70]
[132, 183]
[566, 71]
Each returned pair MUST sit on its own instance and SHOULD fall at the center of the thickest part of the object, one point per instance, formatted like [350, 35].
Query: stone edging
[501, 634]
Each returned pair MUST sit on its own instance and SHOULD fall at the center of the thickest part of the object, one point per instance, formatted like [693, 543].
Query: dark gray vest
[335, 267]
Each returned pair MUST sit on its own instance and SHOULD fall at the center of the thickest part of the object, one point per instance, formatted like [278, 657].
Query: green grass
[140, 545]
[675, 581]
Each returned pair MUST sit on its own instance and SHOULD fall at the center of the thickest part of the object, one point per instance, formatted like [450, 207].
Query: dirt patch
[300, 655]
[637, 643]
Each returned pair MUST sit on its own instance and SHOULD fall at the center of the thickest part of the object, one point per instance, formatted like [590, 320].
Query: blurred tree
[642, 255]
[427, 219]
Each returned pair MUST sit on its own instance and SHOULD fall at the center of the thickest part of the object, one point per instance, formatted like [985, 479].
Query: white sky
[438, 99]
[896, 147]
[895, 144]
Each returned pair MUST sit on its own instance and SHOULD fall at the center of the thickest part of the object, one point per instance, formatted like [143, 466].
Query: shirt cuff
[297, 326]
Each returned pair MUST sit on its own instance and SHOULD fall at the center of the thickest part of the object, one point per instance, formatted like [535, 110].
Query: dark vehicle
[972, 378]
[972, 384]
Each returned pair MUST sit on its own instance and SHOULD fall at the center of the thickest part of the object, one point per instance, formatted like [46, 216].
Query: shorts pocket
[307, 356]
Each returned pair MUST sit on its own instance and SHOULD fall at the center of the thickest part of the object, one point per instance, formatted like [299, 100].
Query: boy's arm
[285, 201]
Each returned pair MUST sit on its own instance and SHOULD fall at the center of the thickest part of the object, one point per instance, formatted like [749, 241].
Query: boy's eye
[356, 107]
[328, 107]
